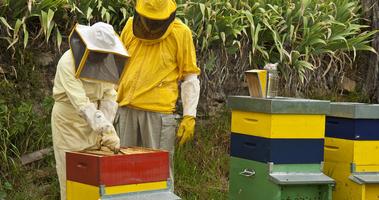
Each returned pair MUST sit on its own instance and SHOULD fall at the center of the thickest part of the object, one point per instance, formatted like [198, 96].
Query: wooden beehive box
[135, 165]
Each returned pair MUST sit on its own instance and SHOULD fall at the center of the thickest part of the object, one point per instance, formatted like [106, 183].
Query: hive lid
[354, 110]
[279, 105]
[300, 178]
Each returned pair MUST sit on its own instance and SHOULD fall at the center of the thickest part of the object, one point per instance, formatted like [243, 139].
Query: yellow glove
[186, 129]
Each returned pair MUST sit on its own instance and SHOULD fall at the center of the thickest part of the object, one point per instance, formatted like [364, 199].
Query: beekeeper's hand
[110, 139]
[95, 118]
[186, 129]
[100, 125]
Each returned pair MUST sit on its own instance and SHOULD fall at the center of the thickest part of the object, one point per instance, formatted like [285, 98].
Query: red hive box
[135, 165]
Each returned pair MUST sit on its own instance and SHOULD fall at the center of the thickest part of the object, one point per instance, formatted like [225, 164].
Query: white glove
[95, 118]
[109, 108]
[190, 92]
[105, 129]
[110, 139]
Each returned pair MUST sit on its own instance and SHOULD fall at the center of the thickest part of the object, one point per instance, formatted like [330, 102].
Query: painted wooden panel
[121, 189]
[345, 188]
[361, 153]
[278, 125]
[352, 129]
[278, 151]
[244, 186]
[80, 191]
[76, 191]
[367, 168]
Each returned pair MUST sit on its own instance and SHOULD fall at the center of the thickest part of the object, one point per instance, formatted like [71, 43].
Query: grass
[37, 181]
[201, 168]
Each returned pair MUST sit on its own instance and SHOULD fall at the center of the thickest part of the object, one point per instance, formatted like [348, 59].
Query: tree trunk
[371, 12]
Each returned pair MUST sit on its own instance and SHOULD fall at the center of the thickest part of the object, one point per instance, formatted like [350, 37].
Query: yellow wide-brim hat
[156, 9]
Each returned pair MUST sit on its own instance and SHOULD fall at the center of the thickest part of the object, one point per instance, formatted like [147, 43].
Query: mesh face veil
[98, 53]
[150, 29]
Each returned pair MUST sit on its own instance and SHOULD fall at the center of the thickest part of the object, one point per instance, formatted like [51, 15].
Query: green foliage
[38, 181]
[27, 20]
[22, 130]
[114, 12]
[300, 35]
[5, 186]
[24, 118]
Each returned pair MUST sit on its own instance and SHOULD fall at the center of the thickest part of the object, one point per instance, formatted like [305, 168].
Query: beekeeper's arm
[190, 88]
[75, 91]
[108, 104]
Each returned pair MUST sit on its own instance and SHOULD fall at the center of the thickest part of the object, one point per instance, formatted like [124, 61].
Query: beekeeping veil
[98, 52]
[152, 18]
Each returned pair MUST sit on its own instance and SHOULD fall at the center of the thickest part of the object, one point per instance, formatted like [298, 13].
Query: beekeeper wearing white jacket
[85, 98]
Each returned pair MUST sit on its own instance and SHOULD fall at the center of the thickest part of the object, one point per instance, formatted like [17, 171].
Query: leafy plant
[38, 20]
[21, 130]
[302, 36]
[24, 115]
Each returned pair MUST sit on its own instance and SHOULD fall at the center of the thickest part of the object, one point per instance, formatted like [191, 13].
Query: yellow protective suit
[70, 131]
[152, 74]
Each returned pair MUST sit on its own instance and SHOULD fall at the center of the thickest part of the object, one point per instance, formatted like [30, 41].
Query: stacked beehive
[277, 149]
[352, 150]
[137, 173]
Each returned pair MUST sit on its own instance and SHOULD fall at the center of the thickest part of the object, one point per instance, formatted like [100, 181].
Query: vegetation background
[326, 49]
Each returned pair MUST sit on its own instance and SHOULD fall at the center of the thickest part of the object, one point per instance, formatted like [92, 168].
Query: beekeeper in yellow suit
[162, 55]
[85, 98]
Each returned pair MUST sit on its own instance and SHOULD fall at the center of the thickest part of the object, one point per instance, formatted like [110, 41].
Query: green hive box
[251, 180]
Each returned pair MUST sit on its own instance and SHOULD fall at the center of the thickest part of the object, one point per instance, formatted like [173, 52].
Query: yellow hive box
[364, 154]
[278, 125]
[80, 191]
[346, 188]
